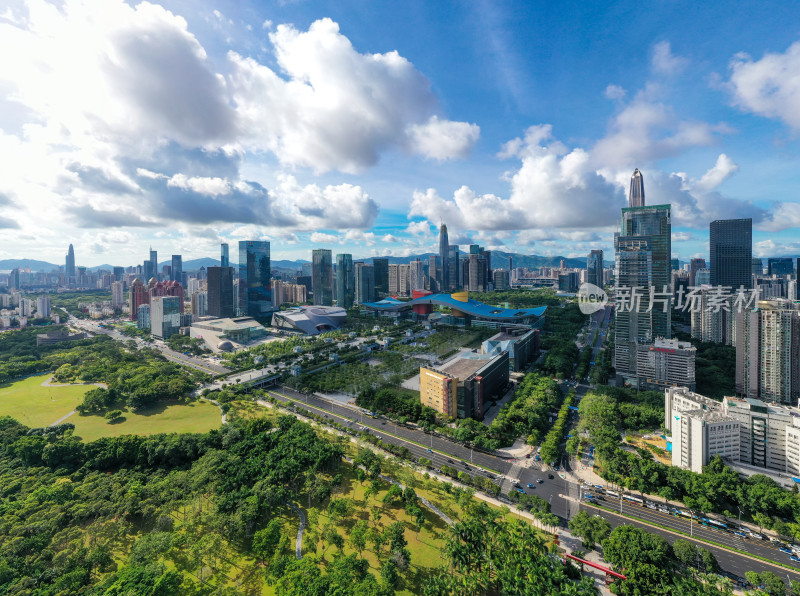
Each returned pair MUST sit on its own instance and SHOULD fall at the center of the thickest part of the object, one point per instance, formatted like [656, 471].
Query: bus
[714, 524]
[633, 499]
[612, 493]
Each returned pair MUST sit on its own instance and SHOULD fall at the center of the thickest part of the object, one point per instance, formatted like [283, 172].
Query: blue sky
[359, 126]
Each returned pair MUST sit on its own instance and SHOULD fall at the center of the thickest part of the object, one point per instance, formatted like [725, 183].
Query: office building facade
[224, 255]
[220, 292]
[694, 266]
[780, 267]
[443, 273]
[666, 363]
[594, 268]
[381, 274]
[345, 280]
[643, 272]
[731, 252]
[165, 316]
[69, 268]
[365, 283]
[322, 276]
[255, 278]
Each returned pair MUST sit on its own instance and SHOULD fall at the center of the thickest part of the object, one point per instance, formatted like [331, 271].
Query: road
[194, 362]
[443, 451]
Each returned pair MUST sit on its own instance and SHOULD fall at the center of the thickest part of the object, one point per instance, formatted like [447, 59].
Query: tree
[390, 573]
[685, 552]
[265, 541]
[113, 416]
[591, 528]
[358, 536]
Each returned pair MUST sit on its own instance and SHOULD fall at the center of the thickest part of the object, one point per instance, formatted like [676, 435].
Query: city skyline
[492, 139]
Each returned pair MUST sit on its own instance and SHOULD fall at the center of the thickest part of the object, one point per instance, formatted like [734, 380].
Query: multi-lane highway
[562, 494]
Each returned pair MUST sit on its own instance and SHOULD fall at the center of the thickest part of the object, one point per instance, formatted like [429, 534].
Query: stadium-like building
[464, 310]
[311, 320]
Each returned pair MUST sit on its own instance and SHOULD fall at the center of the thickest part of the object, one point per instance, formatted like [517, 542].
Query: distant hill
[9, 264]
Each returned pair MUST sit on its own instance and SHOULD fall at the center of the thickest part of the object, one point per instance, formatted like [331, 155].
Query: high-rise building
[142, 317]
[643, 275]
[500, 279]
[694, 266]
[477, 273]
[433, 269]
[453, 267]
[119, 273]
[781, 266]
[416, 275]
[220, 292]
[404, 279]
[138, 297]
[255, 278]
[345, 280]
[702, 277]
[758, 267]
[176, 272]
[768, 352]
[594, 268]
[381, 270]
[636, 196]
[43, 307]
[394, 279]
[665, 363]
[153, 263]
[117, 294]
[365, 283]
[69, 269]
[224, 255]
[444, 260]
[200, 304]
[322, 276]
[165, 316]
[13, 279]
[731, 252]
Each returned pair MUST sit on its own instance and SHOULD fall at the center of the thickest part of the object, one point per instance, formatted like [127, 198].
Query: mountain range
[499, 259]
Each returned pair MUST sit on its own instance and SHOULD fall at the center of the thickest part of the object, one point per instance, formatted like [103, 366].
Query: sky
[361, 126]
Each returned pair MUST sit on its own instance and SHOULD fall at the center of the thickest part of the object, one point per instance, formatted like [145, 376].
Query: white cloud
[203, 185]
[664, 61]
[722, 170]
[784, 216]
[682, 236]
[322, 238]
[769, 87]
[614, 92]
[337, 108]
[442, 139]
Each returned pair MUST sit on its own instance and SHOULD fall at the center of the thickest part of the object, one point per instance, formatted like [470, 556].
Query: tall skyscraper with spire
[69, 270]
[443, 276]
[636, 196]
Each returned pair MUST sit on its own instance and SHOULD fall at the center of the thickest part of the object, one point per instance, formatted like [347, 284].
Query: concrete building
[311, 320]
[416, 275]
[117, 294]
[43, 307]
[694, 266]
[521, 343]
[284, 292]
[500, 279]
[667, 362]
[228, 334]
[712, 316]
[143, 317]
[768, 352]
[477, 378]
[200, 304]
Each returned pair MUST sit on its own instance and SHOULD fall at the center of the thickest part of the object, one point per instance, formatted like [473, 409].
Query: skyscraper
[781, 266]
[636, 196]
[433, 275]
[176, 273]
[255, 278]
[731, 252]
[224, 256]
[345, 280]
[165, 316]
[138, 297]
[365, 283]
[220, 292]
[594, 268]
[381, 266]
[453, 268]
[694, 266]
[69, 269]
[416, 275]
[444, 260]
[153, 263]
[643, 264]
[322, 276]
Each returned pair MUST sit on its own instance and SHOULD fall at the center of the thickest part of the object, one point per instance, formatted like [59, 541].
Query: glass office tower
[322, 276]
[255, 278]
[345, 280]
[731, 252]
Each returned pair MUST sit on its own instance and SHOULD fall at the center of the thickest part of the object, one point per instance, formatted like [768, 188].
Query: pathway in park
[299, 542]
[48, 383]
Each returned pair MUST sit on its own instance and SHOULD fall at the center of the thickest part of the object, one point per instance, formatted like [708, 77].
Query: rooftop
[465, 365]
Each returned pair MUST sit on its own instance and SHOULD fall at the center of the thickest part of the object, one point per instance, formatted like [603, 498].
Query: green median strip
[705, 540]
[382, 431]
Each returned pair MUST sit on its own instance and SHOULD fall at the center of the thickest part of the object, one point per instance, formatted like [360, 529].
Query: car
[794, 558]
[531, 485]
[539, 480]
[783, 549]
[774, 540]
[740, 533]
[537, 458]
[449, 461]
[555, 468]
[550, 476]
[519, 490]
[430, 450]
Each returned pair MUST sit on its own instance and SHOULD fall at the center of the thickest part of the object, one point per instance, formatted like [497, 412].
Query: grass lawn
[196, 417]
[37, 406]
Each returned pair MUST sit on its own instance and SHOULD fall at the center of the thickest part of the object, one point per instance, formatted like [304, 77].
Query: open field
[197, 417]
[37, 406]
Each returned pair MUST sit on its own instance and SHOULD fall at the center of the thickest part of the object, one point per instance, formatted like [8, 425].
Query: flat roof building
[228, 334]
